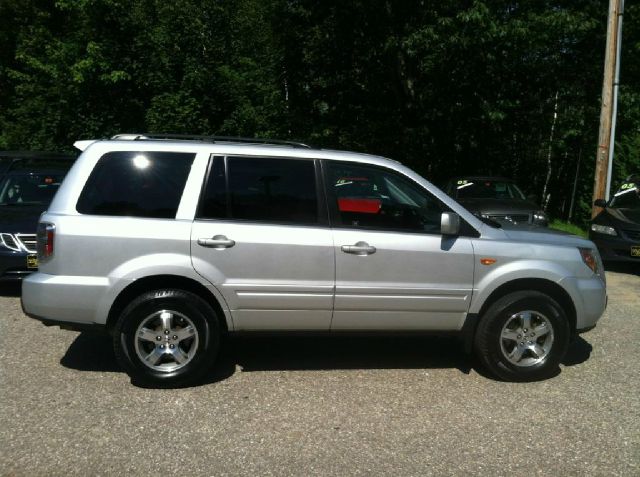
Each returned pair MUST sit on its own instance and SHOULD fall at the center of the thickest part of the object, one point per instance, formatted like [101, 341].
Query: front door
[394, 270]
[261, 237]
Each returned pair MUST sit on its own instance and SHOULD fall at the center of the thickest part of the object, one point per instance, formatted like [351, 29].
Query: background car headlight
[540, 216]
[9, 241]
[603, 229]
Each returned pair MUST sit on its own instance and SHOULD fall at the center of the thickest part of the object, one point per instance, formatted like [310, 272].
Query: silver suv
[171, 244]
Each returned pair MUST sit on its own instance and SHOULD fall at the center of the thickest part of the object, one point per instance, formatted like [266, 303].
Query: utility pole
[616, 87]
[604, 136]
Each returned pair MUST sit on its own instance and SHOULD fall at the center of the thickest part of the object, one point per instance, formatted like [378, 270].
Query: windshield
[628, 197]
[29, 189]
[487, 189]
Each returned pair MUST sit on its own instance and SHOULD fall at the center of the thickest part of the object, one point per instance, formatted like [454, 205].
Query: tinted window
[487, 189]
[371, 197]
[264, 190]
[214, 199]
[628, 197]
[140, 184]
[29, 189]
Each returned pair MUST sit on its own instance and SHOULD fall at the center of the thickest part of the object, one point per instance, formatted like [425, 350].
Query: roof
[227, 145]
[207, 139]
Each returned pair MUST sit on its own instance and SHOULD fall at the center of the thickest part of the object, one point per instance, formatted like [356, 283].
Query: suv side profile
[170, 244]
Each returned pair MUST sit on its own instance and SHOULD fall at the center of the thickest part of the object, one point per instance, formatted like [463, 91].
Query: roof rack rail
[209, 139]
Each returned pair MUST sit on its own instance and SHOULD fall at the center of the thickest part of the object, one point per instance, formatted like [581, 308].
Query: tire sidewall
[187, 304]
[499, 316]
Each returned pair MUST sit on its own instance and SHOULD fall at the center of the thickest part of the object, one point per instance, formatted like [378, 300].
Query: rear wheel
[167, 338]
[523, 337]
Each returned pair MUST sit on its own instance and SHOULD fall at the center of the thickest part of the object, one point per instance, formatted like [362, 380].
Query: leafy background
[448, 87]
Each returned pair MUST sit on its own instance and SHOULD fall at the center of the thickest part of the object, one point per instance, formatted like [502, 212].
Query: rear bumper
[68, 300]
[67, 325]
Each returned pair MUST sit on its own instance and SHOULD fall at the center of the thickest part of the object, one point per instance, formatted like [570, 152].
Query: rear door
[394, 270]
[261, 236]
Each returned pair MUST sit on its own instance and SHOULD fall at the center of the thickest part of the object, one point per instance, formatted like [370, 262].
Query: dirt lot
[384, 406]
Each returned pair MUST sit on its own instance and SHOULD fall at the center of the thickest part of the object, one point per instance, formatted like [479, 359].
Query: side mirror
[449, 223]
[600, 203]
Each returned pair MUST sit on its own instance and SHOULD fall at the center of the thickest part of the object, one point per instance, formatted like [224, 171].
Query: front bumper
[615, 248]
[589, 296]
[13, 265]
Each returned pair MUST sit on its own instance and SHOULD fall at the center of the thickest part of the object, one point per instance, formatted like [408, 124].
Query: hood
[532, 233]
[20, 218]
[628, 218]
[498, 206]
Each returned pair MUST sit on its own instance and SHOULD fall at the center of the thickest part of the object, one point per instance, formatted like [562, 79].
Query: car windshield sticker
[625, 188]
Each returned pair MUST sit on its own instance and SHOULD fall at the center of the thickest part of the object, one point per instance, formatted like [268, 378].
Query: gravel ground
[323, 406]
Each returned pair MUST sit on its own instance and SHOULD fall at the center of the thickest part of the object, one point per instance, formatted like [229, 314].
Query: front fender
[489, 281]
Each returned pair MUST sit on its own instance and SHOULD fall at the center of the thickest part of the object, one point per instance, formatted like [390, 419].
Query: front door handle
[219, 242]
[360, 248]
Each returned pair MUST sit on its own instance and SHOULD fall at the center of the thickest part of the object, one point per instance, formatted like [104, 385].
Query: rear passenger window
[138, 184]
[261, 190]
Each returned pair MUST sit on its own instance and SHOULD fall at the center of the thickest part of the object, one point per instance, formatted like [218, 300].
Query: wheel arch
[155, 282]
[541, 285]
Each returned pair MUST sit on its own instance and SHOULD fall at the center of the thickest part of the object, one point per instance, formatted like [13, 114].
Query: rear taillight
[46, 238]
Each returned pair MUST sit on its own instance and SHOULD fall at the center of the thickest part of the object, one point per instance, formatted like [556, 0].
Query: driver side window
[375, 198]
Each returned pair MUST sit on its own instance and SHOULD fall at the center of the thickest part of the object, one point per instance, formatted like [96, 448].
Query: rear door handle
[219, 242]
[360, 248]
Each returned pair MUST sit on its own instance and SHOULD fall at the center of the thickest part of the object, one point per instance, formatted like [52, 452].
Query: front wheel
[523, 337]
[167, 338]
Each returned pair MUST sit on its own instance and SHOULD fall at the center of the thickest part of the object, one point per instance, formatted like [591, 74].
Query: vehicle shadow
[10, 289]
[91, 352]
[94, 352]
[348, 352]
[579, 351]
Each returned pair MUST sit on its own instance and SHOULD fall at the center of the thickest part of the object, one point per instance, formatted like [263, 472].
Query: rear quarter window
[137, 184]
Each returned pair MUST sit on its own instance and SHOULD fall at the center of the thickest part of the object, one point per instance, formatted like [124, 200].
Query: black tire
[187, 309]
[493, 350]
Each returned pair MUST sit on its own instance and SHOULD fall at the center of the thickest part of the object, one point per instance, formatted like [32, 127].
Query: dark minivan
[28, 182]
[616, 230]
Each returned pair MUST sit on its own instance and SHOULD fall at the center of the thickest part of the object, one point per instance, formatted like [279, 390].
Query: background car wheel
[523, 337]
[167, 338]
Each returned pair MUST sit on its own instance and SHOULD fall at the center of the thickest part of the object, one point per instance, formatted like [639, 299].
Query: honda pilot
[170, 244]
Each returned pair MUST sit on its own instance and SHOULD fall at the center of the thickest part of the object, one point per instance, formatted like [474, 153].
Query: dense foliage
[455, 86]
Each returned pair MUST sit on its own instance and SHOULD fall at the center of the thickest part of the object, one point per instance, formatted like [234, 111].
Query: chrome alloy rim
[526, 338]
[166, 341]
